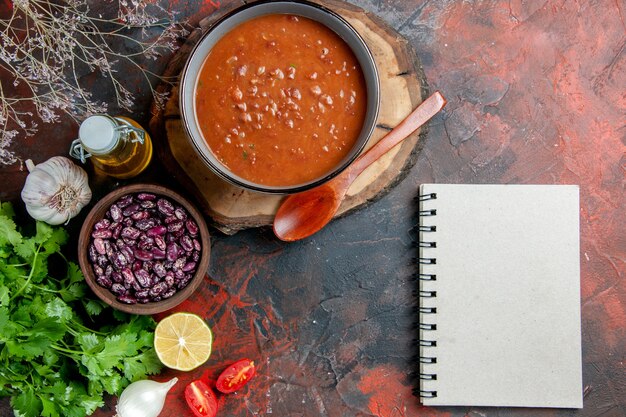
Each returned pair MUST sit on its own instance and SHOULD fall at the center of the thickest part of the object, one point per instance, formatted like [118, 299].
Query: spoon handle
[429, 107]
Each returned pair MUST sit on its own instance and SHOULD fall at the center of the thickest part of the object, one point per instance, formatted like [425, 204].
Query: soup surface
[280, 100]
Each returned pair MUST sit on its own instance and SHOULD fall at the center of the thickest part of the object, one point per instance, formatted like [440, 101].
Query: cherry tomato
[201, 399]
[235, 376]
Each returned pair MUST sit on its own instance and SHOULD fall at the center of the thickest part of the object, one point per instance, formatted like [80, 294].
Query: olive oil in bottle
[117, 146]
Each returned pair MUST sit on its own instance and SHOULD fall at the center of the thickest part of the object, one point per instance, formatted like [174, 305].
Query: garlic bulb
[55, 190]
[143, 398]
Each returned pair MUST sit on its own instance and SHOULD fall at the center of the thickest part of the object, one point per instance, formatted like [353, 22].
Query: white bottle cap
[98, 134]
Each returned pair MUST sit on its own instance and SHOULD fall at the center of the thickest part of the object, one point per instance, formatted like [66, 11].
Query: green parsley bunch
[51, 363]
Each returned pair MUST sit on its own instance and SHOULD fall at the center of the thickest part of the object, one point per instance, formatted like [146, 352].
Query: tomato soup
[280, 100]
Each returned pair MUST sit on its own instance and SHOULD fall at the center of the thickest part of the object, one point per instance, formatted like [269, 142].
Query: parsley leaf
[51, 363]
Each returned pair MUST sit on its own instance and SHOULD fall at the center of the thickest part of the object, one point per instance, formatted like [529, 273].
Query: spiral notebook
[500, 295]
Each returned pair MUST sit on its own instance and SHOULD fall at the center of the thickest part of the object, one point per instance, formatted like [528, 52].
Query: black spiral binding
[424, 311]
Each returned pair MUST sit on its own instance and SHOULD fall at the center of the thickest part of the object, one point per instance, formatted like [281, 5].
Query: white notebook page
[508, 295]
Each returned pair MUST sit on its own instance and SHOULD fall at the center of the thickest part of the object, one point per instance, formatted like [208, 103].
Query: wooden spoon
[303, 214]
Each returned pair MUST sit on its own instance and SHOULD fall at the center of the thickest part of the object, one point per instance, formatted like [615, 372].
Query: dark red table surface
[536, 94]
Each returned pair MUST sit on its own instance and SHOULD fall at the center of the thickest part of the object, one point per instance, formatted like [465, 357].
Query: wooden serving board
[402, 85]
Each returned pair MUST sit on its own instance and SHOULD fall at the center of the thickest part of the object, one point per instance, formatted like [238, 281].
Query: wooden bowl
[98, 212]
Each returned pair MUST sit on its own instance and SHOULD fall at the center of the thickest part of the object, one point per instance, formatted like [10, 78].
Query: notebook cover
[507, 296]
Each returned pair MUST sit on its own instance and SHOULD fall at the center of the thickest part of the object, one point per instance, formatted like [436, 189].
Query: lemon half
[183, 341]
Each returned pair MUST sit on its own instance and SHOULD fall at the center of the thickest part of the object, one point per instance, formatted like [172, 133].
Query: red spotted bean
[169, 293]
[143, 277]
[118, 289]
[93, 253]
[116, 213]
[125, 201]
[186, 243]
[146, 196]
[140, 215]
[127, 299]
[192, 227]
[98, 243]
[158, 253]
[145, 248]
[165, 207]
[130, 210]
[102, 234]
[104, 281]
[143, 255]
[189, 266]
[102, 224]
[157, 231]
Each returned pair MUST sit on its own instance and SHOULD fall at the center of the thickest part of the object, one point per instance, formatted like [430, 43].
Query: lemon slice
[183, 341]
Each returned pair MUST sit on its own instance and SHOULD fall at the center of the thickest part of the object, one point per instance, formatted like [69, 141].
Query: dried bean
[104, 282]
[143, 277]
[117, 277]
[102, 234]
[132, 209]
[98, 243]
[165, 207]
[160, 242]
[192, 227]
[97, 269]
[189, 267]
[116, 213]
[145, 228]
[168, 293]
[116, 229]
[183, 282]
[172, 252]
[128, 254]
[102, 224]
[158, 289]
[130, 233]
[137, 265]
[179, 263]
[125, 201]
[127, 299]
[145, 196]
[102, 261]
[129, 278]
[186, 243]
[93, 253]
[156, 231]
[158, 253]
[143, 255]
[118, 289]
[145, 243]
[180, 214]
[169, 281]
[145, 224]
[140, 215]
[175, 226]
[159, 269]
